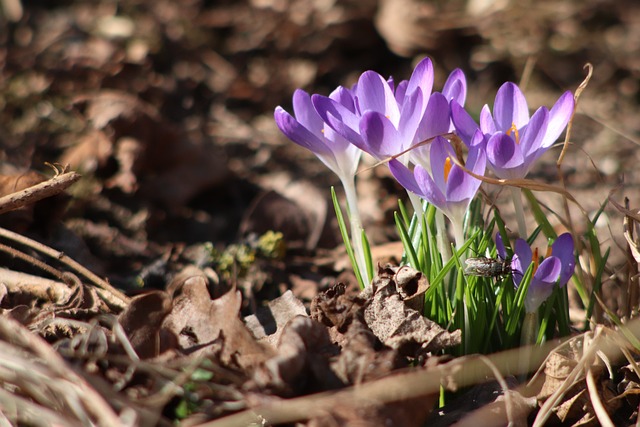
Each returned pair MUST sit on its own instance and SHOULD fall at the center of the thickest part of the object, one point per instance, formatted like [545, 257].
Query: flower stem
[516, 195]
[418, 210]
[356, 227]
[528, 337]
[440, 237]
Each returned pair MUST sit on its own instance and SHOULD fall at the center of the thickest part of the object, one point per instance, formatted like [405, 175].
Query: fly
[487, 267]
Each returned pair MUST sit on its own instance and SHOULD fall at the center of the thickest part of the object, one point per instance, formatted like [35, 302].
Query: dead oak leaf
[199, 322]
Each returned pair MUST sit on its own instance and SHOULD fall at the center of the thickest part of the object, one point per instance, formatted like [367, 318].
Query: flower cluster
[411, 126]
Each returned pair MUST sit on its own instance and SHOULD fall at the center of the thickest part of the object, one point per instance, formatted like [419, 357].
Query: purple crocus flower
[385, 119]
[309, 131]
[557, 267]
[448, 187]
[514, 141]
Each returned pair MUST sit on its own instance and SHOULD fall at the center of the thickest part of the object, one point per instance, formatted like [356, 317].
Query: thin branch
[45, 189]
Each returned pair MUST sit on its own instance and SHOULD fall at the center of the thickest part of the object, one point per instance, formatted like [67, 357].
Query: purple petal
[401, 91]
[502, 251]
[542, 283]
[436, 120]
[461, 186]
[532, 135]
[477, 160]
[422, 78]
[410, 117]
[298, 133]
[404, 176]
[563, 249]
[504, 155]
[521, 260]
[487, 124]
[374, 94]
[455, 88]
[439, 151]
[380, 137]
[304, 112]
[339, 118]
[510, 107]
[559, 117]
[429, 190]
[549, 270]
[464, 124]
[343, 96]
[479, 140]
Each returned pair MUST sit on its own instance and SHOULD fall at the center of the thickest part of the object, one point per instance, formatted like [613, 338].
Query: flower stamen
[536, 260]
[514, 129]
[447, 168]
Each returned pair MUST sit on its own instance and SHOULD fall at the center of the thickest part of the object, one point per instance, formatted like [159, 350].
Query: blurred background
[166, 108]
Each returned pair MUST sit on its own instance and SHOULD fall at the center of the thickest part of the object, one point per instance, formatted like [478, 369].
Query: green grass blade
[345, 237]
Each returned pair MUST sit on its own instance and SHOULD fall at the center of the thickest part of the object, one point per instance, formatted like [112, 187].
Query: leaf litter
[161, 108]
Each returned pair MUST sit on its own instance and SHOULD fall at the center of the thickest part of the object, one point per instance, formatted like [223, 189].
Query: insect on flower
[487, 267]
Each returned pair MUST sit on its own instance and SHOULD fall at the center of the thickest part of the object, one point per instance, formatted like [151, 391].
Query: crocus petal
[505, 156]
[298, 133]
[542, 283]
[439, 151]
[429, 190]
[464, 124]
[521, 260]
[304, 112]
[500, 248]
[435, 121]
[410, 117]
[461, 187]
[339, 118]
[347, 156]
[401, 91]
[343, 96]
[532, 135]
[374, 94]
[404, 176]
[487, 124]
[549, 270]
[559, 117]
[380, 137]
[510, 107]
[479, 141]
[455, 88]
[477, 160]
[563, 249]
[422, 78]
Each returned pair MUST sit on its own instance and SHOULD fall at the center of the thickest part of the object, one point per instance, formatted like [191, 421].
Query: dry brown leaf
[361, 359]
[268, 322]
[399, 326]
[206, 326]
[142, 321]
[301, 362]
[576, 407]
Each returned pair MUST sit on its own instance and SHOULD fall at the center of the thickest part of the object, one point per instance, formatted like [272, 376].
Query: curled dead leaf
[142, 321]
[399, 326]
[268, 322]
[211, 326]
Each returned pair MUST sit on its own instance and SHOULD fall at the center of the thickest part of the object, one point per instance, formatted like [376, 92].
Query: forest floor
[141, 285]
